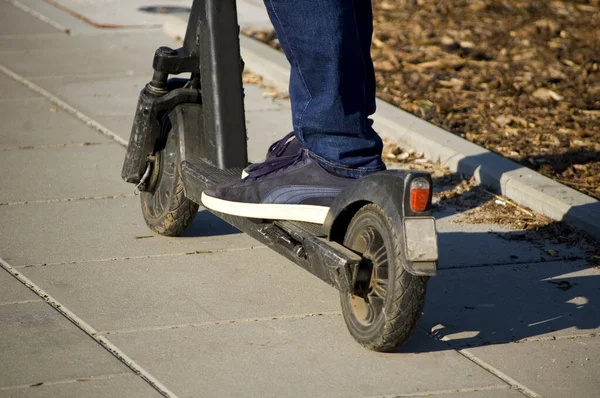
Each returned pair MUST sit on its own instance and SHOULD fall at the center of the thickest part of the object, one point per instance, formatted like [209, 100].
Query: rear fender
[390, 190]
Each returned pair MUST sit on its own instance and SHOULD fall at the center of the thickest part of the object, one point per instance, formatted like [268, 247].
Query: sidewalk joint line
[443, 392]
[39, 16]
[221, 322]
[501, 375]
[20, 302]
[90, 331]
[63, 105]
[554, 260]
[61, 200]
[54, 146]
[143, 257]
[66, 381]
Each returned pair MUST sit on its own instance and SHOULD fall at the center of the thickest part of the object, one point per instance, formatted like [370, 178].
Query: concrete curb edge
[520, 184]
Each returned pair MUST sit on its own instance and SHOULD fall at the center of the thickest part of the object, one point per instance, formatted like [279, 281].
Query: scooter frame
[206, 113]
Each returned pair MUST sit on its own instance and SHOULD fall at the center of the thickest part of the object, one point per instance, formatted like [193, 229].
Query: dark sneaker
[287, 146]
[284, 188]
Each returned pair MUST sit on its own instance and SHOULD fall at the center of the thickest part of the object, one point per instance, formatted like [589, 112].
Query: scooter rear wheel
[165, 207]
[384, 316]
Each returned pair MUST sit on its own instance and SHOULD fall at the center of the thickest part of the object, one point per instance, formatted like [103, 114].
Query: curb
[520, 184]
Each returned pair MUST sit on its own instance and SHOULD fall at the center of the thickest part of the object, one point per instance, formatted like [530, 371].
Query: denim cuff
[343, 171]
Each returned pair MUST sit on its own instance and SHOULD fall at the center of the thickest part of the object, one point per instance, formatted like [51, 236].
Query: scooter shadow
[498, 304]
[470, 304]
[207, 224]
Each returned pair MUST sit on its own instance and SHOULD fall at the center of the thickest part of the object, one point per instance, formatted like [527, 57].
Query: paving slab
[128, 12]
[256, 99]
[560, 368]
[473, 245]
[12, 90]
[61, 20]
[123, 385]
[40, 345]
[265, 127]
[120, 12]
[16, 22]
[111, 100]
[57, 173]
[314, 356]
[175, 290]
[99, 97]
[105, 54]
[494, 305]
[109, 42]
[38, 122]
[13, 290]
[499, 392]
[101, 229]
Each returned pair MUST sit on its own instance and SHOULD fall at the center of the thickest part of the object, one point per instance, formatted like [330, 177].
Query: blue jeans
[332, 82]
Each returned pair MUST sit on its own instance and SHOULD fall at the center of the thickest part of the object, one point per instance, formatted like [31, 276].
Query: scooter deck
[303, 243]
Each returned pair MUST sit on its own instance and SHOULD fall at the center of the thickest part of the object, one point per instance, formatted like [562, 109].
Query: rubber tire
[171, 212]
[405, 296]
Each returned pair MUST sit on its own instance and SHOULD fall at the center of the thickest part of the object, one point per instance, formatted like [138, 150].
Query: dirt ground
[521, 78]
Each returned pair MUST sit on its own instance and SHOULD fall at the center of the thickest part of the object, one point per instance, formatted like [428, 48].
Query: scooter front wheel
[166, 209]
[384, 315]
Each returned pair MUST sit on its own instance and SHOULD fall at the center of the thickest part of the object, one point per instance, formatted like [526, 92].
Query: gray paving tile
[13, 290]
[35, 122]
[312, 356]
[493, 305]
[111, 100]
[256, 101]
[120, 125]
[98, 95]
[10, 89]
[40, 345]
[14, 21]
[87, 54]
[57, 15]
[56, 173]
[185, 289]
[125, 385]
[265, 127]
[560, 368]
[465, 245]
[122, 12]
[506, 392]
[100, 229]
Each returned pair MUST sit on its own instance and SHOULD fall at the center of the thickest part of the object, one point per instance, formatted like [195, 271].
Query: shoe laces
[278, 147]
[276, 164]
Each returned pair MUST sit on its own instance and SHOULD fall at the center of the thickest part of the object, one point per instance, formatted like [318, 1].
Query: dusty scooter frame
[190, 133]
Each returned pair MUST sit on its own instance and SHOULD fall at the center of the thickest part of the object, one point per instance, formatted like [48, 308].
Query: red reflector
[419, 199]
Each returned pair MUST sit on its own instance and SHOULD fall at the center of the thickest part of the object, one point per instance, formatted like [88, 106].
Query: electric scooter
[378, 244]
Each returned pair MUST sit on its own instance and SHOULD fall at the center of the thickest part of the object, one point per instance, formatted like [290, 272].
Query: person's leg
[364, 21]
[331, 83]
[332, 94]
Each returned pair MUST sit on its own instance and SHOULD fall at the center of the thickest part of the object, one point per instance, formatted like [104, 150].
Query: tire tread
[405, 305]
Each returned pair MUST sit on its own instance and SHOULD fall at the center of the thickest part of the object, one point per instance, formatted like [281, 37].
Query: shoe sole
[306, 213]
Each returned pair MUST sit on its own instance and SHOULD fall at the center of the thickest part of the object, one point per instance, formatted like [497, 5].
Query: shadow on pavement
[207, 224]
[493, 297]
[477, 306]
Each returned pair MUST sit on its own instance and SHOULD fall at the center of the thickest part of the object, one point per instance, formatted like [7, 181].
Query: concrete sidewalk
[92, 304]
